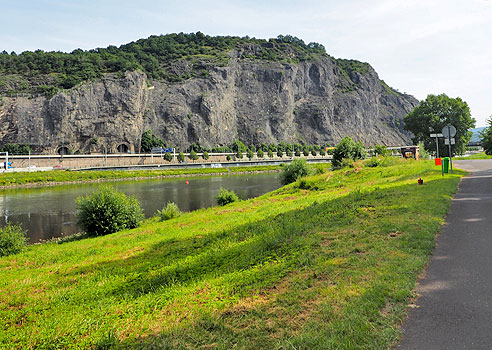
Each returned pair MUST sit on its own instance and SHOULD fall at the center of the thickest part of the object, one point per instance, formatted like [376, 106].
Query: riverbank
[330, 260]
[63, 177]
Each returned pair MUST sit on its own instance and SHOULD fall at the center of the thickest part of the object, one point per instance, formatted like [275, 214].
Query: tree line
[154, 56]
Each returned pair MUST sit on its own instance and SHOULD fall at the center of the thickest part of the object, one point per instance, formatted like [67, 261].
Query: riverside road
[454, 307]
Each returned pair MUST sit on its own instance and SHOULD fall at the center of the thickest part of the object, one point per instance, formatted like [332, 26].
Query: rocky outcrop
[256, 101]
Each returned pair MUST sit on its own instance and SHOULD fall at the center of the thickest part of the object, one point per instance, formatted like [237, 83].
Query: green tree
[347, 149]
[193, 155]
[435, 112]
[260, 153]
[486, 137]
[149, 141]
[181, 157]
[238, 146]
[250, 154]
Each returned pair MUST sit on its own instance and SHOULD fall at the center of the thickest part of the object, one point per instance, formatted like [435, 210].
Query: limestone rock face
[255, 101]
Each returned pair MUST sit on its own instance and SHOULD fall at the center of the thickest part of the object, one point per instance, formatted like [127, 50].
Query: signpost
[449, 132]
[437, 143]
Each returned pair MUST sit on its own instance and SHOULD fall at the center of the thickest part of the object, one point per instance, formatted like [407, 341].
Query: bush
[250, 154]
[193, 155]
[313, 152]
[181, 157]
[228, 157]
[260, 153]
[295, 170]
[168, 156]
[297, 153]
[288, 153]
[319, 168]
[347, 149]
[380, 161]
[322, 152]
[239, 155]
[107, 211]
[170, 211]
[12, 240]
[280, 153]
[270, 153]
[305, 151]
[225, 197]
[205, 155]
[381, 150]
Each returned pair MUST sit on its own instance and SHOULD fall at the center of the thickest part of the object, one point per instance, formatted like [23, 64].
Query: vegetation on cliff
[172, 57]
[331, 263]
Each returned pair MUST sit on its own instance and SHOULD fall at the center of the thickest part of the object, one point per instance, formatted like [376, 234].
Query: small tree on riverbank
[107, 211]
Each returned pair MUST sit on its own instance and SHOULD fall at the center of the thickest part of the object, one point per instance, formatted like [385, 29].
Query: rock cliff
[256, 101]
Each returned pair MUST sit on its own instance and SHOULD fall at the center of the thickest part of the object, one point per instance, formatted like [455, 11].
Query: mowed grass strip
[331, 265]
[61, 176]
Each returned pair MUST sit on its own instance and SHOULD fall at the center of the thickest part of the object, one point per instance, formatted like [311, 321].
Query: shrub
[170, 211]
[319, 168]
[381, 161]
[270, 153]
[288, 153]
[295, 170]
[305, 151]
[181, 157]
[228, 157]
[260, 153]
[381, 150]
[225, 197]
[280, 153]
[313, 152]
[205, 155]
[239, 155]
[250, 154]
[322, 152]
[297, 153]
[12, 240]
[193, 155]
[168, 156]
[347, 149]
[107, 211]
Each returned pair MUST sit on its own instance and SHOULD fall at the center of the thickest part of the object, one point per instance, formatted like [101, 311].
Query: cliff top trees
[435, 112]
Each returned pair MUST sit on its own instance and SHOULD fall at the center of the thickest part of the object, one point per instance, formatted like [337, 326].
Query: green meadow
[327, 262]
[480, 155]
[60, 176]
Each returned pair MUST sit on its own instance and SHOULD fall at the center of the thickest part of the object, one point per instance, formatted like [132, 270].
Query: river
[49, 212]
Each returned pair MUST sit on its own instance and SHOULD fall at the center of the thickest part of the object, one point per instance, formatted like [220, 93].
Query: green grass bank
[46, 178]
[480, 155]
[328, 262]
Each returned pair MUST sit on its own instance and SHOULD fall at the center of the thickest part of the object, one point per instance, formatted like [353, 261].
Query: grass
[480, 155]
[61, 176]
[332, 265]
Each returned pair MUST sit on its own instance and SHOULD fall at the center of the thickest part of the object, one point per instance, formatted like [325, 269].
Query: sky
[419, 47]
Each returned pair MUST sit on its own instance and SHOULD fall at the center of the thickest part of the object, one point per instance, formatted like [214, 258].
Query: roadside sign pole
[449, 145]
[437, 146]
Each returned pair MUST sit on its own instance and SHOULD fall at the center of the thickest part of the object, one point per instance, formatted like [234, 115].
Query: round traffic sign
[448, 131]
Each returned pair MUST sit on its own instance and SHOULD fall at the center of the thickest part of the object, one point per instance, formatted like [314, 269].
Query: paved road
[454, 309]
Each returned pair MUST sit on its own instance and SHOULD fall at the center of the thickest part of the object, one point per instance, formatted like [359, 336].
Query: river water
[48, 212]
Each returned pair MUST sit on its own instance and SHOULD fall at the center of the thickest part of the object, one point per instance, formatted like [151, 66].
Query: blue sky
[417, 46]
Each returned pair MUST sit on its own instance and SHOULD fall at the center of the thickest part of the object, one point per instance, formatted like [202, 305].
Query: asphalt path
[454, 305]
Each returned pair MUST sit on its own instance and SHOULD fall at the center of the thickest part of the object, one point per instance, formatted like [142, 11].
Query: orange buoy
[187, 182]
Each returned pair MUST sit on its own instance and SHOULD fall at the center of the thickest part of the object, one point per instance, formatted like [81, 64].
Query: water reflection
[50, 211]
